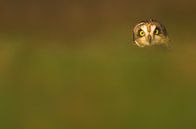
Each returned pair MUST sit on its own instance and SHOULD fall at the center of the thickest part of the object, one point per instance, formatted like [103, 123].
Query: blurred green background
[69, 65]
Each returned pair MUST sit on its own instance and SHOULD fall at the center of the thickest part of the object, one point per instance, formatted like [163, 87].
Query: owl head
[150, 32]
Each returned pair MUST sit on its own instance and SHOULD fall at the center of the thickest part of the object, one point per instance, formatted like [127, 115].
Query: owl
[150, 32]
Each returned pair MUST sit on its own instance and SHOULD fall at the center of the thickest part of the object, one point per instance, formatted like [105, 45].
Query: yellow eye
[141, 33]
[156, 31]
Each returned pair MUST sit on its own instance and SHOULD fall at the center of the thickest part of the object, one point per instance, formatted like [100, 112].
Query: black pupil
[140, 32]
[157, 31]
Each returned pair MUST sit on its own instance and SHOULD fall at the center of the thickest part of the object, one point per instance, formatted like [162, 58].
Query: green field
[104, 84]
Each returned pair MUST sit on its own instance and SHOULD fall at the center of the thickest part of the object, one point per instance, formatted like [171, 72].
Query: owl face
[149, 32]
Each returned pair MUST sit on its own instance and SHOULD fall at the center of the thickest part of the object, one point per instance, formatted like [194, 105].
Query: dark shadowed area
[70, 65]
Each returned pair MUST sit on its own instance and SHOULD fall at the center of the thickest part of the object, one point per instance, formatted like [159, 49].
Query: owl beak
[149, 39]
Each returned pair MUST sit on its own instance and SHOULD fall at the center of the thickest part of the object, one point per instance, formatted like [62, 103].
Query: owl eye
[156, 31]
[141, 33]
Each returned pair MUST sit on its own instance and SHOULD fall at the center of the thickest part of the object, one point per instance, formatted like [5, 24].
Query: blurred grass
[102, 84]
